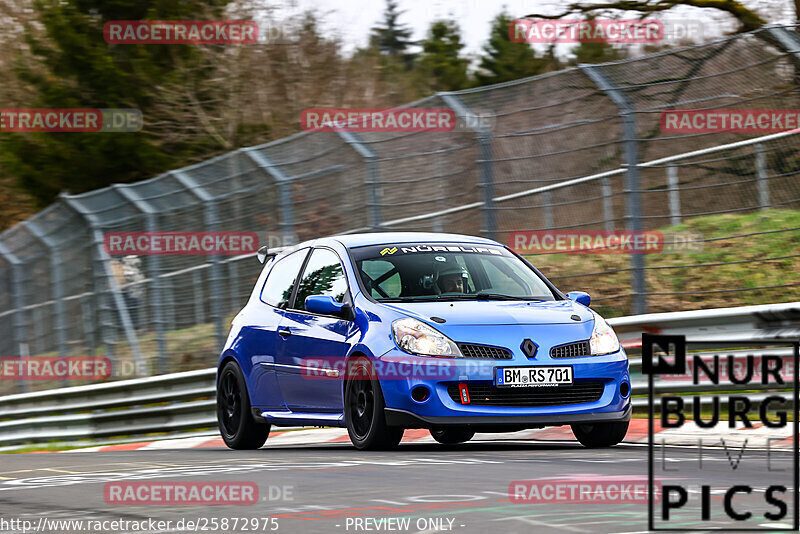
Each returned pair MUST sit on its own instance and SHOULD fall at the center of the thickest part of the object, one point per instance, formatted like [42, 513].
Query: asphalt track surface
[328, 488]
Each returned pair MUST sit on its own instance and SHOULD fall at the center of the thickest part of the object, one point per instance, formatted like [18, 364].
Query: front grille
[571, 350]
[532, 397]
[484, 351]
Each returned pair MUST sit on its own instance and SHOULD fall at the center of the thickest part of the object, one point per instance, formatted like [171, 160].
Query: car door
[261, 335]
[312, 353]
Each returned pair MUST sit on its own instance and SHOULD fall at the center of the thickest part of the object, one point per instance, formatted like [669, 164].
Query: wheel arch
[357, 352]
[231, 356]
[227, 356]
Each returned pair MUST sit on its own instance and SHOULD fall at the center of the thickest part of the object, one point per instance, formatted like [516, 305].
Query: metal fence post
[37, 323]
[487, 183]
[674, 195]
[485, 159]
[154, 270]
[57, 278]
[197, 291]
[57, 292]
[761, 174]
[547, 205]
[627, 112]
[285, 187]
[102, 270]
[17, 290]
[373, 181]
[169, 302]
[233, 284]
[788, 40]
[608, 208]
[210, 219]
[88, 324]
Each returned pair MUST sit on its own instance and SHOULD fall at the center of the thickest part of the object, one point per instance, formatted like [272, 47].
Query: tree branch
[748, 19]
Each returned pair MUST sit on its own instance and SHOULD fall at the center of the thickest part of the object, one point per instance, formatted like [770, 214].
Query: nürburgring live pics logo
[761, 491]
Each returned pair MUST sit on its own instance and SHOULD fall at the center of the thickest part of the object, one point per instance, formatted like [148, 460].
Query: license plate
[509, 377]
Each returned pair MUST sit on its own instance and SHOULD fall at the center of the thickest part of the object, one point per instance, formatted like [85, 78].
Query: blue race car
[382, 332]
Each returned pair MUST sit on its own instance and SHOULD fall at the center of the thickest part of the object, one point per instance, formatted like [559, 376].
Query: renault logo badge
[529, 348]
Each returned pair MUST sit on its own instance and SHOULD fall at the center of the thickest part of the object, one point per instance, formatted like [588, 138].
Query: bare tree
[748, 19]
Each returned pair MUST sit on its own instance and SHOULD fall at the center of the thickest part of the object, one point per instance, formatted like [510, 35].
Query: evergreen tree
[602, 52]
[440, 65]
[391, 37]
[69, 65]
[504, 60]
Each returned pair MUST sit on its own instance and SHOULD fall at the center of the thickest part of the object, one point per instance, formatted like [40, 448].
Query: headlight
[418, 338]
[604, 340]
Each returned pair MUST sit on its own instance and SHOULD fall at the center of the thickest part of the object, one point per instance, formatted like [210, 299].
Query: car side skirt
[285, 418]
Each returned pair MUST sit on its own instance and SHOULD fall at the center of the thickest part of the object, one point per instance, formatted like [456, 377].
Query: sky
[352, 19]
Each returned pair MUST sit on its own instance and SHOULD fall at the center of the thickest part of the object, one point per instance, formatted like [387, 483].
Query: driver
[452, 279]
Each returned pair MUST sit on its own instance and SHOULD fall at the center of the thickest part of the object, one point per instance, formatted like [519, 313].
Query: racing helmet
[449, 273]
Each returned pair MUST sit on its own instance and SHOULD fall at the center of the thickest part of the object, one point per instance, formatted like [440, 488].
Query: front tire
[363, 412]
[236, 424]
[600, 434]
[452, 436]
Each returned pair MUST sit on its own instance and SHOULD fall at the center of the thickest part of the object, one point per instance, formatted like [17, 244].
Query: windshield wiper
[499, 296]
[421, 298]
[492, 296]
[474, 296]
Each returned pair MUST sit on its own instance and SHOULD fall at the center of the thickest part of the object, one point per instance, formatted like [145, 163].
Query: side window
[323, 276]
[280, 282]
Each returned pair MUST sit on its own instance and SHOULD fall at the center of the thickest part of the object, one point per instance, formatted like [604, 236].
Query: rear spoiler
[265, 252]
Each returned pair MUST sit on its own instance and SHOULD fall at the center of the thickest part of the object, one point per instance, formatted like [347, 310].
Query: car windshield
[446, 271]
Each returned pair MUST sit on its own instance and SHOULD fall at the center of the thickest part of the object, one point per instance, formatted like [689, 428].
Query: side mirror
[581, 297]
[325, 305]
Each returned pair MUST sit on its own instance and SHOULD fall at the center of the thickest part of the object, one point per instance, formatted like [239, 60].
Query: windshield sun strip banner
[399, 249]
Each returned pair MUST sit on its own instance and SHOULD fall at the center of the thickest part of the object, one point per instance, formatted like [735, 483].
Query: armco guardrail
[745, 323]
[185, 401]
[125, 408]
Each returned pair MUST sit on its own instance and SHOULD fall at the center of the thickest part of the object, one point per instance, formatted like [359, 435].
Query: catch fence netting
[582, 149]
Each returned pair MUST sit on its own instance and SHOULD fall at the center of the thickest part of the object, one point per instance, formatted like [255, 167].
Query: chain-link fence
[580, 148]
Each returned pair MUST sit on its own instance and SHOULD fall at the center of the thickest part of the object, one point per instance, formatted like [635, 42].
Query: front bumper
[440, 408]
[395, 417]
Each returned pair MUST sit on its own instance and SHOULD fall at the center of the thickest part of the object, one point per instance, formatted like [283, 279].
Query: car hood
[492, 312]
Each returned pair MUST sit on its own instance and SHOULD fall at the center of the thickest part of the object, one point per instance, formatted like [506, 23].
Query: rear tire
[236, 424]
[452, 436]
[363, 410]
[599, 435]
